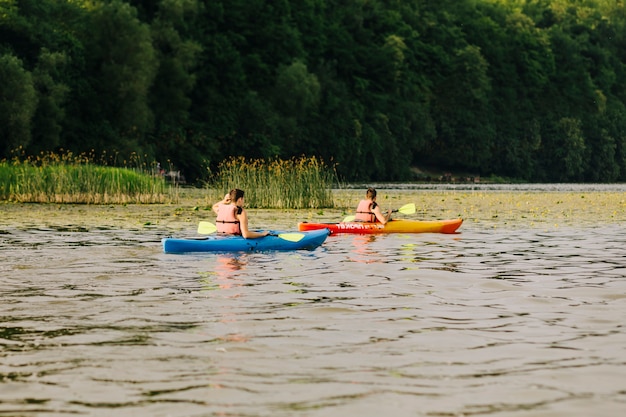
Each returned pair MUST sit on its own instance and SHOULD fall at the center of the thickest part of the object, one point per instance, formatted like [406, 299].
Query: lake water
[503, 319]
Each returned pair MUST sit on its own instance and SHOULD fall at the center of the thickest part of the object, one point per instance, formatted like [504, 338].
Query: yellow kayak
[393, 226]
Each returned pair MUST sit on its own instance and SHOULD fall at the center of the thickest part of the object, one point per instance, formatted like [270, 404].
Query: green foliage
[570, 148]
[18, 103]
[122, 67]
[295, 183]
[52, 92]
[297, 91]
[530, 89]
[55, 178]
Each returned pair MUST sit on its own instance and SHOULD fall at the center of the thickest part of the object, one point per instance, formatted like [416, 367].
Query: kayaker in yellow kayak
[368, 209]
[232, 218]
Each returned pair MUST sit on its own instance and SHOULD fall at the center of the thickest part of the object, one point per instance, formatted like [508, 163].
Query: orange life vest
[227, 221]
[364, 211]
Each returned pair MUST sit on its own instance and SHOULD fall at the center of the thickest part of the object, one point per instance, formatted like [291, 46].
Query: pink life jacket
[364, 211]
[227, 221]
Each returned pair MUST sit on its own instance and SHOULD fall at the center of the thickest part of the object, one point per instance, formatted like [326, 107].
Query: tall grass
[297, 183]
[66, 178]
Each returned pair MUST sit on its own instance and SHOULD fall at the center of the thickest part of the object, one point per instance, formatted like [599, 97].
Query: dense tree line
[531, 89]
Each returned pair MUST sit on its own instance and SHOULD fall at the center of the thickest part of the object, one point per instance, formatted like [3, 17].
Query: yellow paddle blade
[407, 209]
[292, 237]
[206, 228]
[348, 219]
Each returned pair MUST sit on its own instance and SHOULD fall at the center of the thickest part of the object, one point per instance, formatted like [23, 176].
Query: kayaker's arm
[380, 216]
[225, 200]
[245, 232]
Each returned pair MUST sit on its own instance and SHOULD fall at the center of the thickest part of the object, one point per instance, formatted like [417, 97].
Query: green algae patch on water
[479, 209]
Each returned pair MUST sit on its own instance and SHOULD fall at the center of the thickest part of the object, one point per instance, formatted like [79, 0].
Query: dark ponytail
[235, 194]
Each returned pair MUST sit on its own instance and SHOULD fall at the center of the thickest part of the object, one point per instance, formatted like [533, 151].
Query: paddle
[405, 209]
[206, 228]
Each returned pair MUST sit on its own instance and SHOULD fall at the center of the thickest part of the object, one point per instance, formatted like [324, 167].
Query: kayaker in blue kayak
[368, 209]
[232, 217]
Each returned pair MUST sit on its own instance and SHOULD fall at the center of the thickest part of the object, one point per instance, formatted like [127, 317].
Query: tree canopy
[530, 89]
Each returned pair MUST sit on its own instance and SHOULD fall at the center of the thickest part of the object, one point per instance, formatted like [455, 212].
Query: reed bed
[56, 178]
[297, 183]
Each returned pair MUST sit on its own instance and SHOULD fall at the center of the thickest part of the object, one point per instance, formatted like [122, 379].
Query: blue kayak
[276, 241]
